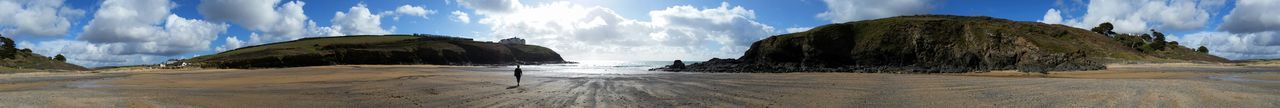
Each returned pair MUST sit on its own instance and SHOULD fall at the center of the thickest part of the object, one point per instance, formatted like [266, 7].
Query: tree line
[9, 50]
[1155, 41]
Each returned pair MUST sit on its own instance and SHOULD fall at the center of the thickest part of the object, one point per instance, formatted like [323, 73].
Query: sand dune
[1163, 85]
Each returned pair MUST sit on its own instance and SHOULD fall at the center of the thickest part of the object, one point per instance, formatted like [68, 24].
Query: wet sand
[1130, 85]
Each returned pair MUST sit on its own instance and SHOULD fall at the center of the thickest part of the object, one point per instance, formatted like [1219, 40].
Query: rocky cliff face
[928, 44]
[380, 50]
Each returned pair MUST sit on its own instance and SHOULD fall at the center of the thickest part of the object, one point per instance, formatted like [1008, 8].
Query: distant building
[172, 64]
[512, 41]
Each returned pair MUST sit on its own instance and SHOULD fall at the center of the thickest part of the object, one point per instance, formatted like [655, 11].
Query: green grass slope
[974, 33]
[940, 43]
[31, 62]
[378, 49]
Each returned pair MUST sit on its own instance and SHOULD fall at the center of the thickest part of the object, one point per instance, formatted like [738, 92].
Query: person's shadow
[513, 87]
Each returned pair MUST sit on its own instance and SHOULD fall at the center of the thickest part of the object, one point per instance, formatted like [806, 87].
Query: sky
[95, 33]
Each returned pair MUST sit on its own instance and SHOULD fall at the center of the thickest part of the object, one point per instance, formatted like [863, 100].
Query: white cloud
[839, 11]
[147, 27]
[460, 16]
[600, 33]
[492, 6]
[720, 23]
[1139, 16]
[1259, 45]
[90, 54]
[1052, 17]
[414, 11]
[272, 20]
[358, 21]
[129, 32]
[798, 29]
[36, 17]
[1252, 16]
[181, 35]
[252, 14]
[1249, 31]
[231, 43]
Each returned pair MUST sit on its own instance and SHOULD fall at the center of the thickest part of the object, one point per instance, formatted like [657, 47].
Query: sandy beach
[1127, 85]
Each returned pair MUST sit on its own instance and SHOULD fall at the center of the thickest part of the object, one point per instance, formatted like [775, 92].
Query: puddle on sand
[1240, 78]
[87, 84]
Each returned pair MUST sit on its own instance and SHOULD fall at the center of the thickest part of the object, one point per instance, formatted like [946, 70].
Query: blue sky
[103, 33]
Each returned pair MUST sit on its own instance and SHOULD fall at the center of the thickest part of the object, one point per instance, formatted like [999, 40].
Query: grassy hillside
[31, 62]
[968, 32]
[378, 49]
[941, 43]
[304, 45]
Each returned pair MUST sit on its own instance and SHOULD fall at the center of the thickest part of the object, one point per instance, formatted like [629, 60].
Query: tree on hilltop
[1202, 49]
[1104, 29]
[59, 57]
[7, 50]
[1158, 43]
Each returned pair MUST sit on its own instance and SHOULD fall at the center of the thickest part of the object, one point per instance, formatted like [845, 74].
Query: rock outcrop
[675, 66]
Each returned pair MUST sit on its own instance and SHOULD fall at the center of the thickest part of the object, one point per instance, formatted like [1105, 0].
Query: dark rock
[677, 65]
[674, 67]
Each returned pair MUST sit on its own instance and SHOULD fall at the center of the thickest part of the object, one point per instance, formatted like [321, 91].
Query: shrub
[1130, 41]
[1104, 29]
[1158, 43]
[1146, 48]
[1202, 49]
[7, 50]
[59, 57]
[8, 43]
[1146, 38]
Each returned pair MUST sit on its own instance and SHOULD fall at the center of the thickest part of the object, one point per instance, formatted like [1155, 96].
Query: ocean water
[603, 67]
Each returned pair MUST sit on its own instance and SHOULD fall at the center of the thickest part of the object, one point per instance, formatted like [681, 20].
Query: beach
[1121, 85]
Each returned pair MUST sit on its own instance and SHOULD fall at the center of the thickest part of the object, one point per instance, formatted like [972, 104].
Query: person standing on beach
[518, 75]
